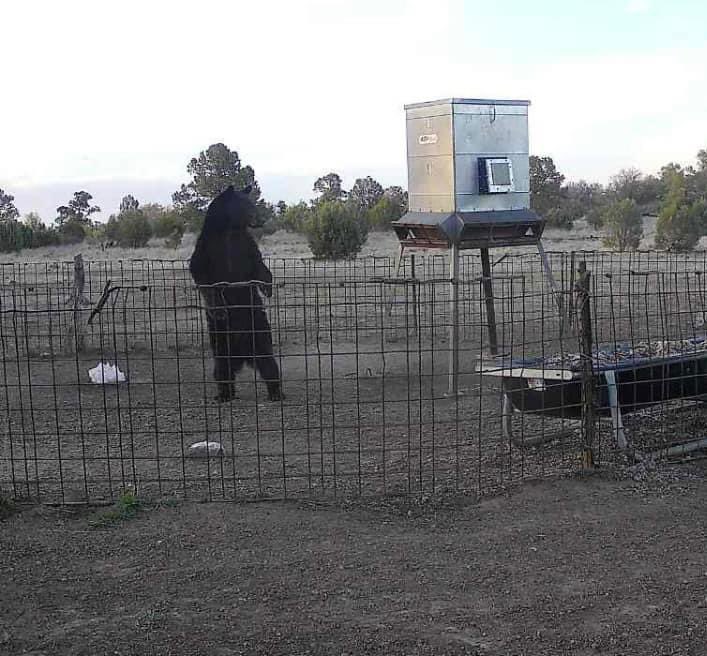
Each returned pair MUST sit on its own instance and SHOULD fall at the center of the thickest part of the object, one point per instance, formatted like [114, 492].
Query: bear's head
[230, 210]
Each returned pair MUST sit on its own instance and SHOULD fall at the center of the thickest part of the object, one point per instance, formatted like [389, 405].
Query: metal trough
[624, 386]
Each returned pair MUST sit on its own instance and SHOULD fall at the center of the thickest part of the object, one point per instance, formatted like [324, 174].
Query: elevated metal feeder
[469, 187]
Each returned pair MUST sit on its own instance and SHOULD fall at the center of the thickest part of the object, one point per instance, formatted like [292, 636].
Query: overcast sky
[116, 97]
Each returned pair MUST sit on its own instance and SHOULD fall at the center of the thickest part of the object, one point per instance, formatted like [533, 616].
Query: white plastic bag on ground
[105, 373]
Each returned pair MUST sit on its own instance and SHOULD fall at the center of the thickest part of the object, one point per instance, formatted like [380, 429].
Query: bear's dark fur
[239, 330]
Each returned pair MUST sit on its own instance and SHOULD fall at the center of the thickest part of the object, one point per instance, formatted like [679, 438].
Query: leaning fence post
[582, 289]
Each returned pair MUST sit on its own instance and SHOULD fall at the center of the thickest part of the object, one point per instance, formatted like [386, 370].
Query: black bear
[239, 331]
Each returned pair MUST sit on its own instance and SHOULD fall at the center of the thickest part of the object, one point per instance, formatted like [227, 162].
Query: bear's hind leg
[226, 392]
[270, 373]
[226, 389]
[222, 347]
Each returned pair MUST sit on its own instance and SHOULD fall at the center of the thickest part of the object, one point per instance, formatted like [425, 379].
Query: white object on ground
[105, 373]
[205, 449]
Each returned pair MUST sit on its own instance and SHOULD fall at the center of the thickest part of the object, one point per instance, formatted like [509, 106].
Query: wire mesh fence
[368, 353]
[48, 285]
[647, 361]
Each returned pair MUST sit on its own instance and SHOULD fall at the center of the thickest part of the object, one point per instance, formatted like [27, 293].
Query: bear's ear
[226, 193]
[247, 189]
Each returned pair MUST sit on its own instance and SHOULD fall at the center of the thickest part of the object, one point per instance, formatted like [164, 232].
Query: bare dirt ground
[604, 565]
[354, 421]
[574, 566]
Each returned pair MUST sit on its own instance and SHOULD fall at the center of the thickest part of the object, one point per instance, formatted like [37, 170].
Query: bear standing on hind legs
[239, 331]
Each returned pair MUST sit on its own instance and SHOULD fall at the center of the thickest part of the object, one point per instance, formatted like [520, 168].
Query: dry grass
[290, 245]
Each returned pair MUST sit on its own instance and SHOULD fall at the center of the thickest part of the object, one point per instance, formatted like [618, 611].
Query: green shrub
[130, 229]
[96, 234]
[72, 232]
[135, 229]
[126, 507]
[35, 233]
[270, 227]
[175, 238]
[385, 210]
[623, 225]
[334, 231]
[294, 218]
[45, 237]
[166, 224]
[681, 221]
[679, 228]
[559, 217]
[14, 236]
[595, 217]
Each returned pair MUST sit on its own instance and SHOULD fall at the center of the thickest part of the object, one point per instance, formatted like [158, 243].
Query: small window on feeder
[495, 175]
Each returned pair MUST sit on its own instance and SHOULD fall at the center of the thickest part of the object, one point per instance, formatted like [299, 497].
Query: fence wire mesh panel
[365, 376]
[47, 285]
[647, 364]
[423, 265]
[367, 355]
[650, 329]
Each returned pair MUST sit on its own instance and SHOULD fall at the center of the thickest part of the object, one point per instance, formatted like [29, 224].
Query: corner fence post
[582, 289]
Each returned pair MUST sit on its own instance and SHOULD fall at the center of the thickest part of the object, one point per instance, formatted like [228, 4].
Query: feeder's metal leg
[556, 292]
[548, 269]
[453, 320]
[397, 273]
[616, 418]
[488, 299]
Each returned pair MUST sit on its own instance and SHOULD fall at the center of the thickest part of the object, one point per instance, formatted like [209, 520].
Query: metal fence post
[453, 320]
[586, 348]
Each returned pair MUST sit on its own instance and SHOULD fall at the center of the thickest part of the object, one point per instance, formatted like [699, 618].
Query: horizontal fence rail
[422, 265]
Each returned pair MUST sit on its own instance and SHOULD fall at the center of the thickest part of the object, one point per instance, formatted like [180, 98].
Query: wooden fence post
[77, 300]
[582, 289]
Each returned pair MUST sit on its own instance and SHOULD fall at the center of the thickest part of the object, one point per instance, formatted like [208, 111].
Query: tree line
[337, 221]
[677, 195]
